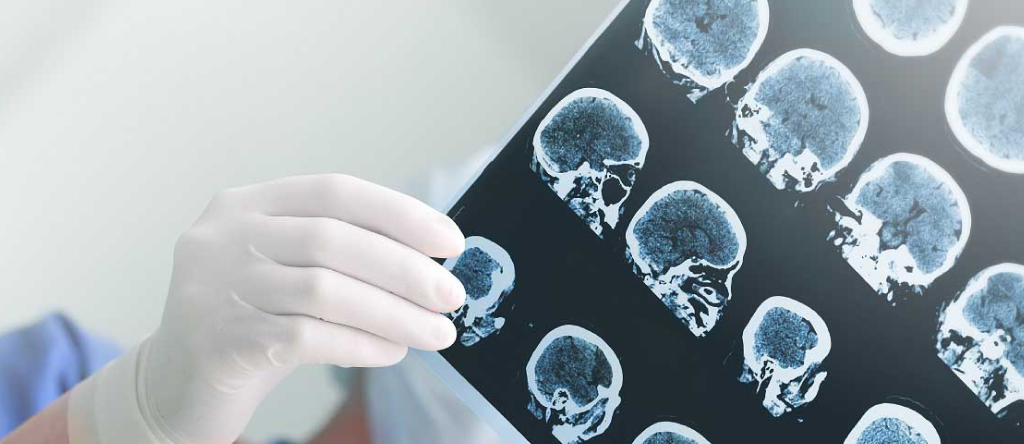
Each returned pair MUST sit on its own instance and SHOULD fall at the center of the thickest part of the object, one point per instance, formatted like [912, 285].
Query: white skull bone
[981, 336]
[574, 379]
[704, 44]
[686, 243]
[984, 96]
[905, 224]
[802, 121]
[910, 28]
[589, 150]
[669, 433]
[892, 424]
[784, 345]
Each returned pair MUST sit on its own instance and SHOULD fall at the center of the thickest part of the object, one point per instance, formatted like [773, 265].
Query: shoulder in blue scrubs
[40, 362]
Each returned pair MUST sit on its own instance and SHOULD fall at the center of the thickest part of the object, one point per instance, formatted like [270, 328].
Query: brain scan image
[589, 150]
[985, 99]
[905, 223]
[702, 45]
[574, 380]
[910, 27]
[802, 120]
[981, 337]
[686, 243]
[669, 433]
[892, 424]
[784, 345]
[488, 274]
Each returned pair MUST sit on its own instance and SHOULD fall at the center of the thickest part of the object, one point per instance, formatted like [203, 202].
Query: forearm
[349, 425]
[49, 426]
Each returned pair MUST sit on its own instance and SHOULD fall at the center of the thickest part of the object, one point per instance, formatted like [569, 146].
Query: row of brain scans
[904, 224]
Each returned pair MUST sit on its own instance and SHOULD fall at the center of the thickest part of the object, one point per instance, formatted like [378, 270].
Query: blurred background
[120, 119]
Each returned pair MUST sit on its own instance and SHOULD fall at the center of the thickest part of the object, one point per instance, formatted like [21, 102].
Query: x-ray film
[734, 221]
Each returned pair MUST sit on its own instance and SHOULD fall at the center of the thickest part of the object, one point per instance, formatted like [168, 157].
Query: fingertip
[451, 294]
[397, 356]
[445, 335]
[451, 241]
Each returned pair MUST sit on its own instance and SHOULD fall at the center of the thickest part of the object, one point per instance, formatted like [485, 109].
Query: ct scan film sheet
[738, 221]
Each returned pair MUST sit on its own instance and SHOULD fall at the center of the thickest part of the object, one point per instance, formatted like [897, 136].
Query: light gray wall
[119, 120]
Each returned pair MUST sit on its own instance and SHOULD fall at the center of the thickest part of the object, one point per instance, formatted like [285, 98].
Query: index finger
[363, 204]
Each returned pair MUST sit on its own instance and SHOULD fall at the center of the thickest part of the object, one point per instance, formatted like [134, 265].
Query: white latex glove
[305, 270]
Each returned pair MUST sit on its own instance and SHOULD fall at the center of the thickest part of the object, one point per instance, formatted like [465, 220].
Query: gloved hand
[305, 270]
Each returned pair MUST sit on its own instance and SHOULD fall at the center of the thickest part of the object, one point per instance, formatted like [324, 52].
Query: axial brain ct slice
[589, 150]
[488, 274]
[574, 380]
[686, 243]
[802, 120]
[905, 223]
[784, 345]
[981, 337]
[669, 433]
[705, 43]
[910, 27]
[892, 424]
[985, 96]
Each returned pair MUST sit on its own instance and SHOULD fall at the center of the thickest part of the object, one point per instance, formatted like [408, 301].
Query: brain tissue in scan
[985, 99]
[892, 424]
[488, 274]
[981, 337]
[702, 45]
[905, 223]
[910, 27]
[574, 380]
[784, 345]
[686, 243]
[802, 120]
[669, 433]
[589, 150]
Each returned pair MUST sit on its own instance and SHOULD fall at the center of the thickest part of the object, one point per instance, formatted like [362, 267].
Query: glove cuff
[105, 409]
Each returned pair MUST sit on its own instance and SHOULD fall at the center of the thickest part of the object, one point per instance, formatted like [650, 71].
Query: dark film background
[567, 275]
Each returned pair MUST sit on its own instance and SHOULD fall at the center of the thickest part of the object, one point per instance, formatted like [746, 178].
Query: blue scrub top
[41, 362]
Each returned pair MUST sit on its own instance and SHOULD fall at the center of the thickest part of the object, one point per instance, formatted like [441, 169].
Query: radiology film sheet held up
[735, 221]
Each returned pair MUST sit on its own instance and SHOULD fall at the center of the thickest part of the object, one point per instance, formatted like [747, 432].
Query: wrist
[107, 408]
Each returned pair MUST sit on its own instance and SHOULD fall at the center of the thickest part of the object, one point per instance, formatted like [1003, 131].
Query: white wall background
[119, 120]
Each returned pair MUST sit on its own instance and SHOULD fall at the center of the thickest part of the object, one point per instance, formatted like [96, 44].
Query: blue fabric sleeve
[41, 362]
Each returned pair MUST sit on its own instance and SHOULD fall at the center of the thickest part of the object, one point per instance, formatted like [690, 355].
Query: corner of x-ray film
[589, 150]
[984, 97]
[784, 345]
[981, 337]
[686, 243]
[910, 27]
[702, 45]
[669, 433]
[905, 224]
[892, 424]
[574, 380]
[802, 120]
[488, 274]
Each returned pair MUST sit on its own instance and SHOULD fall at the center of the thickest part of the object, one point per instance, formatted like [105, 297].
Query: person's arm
[306, 270]
[350, 425]
[49, 426]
